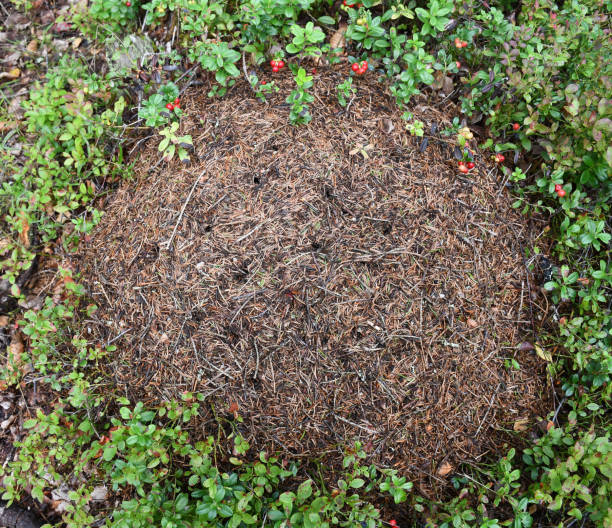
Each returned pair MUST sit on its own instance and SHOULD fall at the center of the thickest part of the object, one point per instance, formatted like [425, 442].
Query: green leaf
[357, 483]
[326, 20]
[109, 453]
[304, 490]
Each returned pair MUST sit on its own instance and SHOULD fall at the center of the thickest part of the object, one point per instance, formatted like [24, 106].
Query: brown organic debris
[317, 280]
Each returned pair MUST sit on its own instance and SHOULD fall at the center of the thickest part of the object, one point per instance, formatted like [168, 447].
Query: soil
[329, 283]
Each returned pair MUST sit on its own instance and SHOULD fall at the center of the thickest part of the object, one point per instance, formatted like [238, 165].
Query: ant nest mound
[329, 283]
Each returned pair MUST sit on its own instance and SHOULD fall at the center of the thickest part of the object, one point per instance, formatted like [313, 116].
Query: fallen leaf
[5, 126]
[99, 493]
[525, 346]
[444, 469]
[337, 40]
[361, 149]
[61, 27]
[11, 74]
[471, 323]
[386, 125]
[4, 321]
[16, 21]
[76, 43]
[12, 58]
[24, 236]
[544, 354]
[15, 350]
[32, 46]
[521, 424]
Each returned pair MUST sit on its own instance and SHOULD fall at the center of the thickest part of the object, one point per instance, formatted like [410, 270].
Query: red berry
[499, 158]
[458, 42]
[170, 106]
[392, 522]
[355, 67]
[458, 64]
[177, 101]
[274, 69]
[463, 169]
[280, 64]
[272, 63]
[263, 83]
[561, 193]
[128, 3]
[558, 187]
[177, 106]
[471, 165]
[314, 70]
[516, 126]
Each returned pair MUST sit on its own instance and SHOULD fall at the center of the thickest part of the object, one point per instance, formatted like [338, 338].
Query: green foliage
[435, 17]
[345, 91]
[299, 98]
[63, 164]
[304, 40]
[219, 58]
[154, 111]
[173, 144]
[114, 15]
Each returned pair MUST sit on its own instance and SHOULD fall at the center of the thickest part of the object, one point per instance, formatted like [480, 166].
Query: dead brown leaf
[386, 125]
[521, 424]
[32, 46]
[471, 323]
[11, 74]
[445, 469]
[24, 234]
[76, 43]
[15, 350]
[337, 40]
[4, 321]
[5, 126]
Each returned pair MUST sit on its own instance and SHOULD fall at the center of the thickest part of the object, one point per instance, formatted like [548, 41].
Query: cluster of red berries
[465, 167]
[559, 190]
[460, 43]
[393, 523]
[499, 158]
[360, 69]
[277, 65]
[174, 105]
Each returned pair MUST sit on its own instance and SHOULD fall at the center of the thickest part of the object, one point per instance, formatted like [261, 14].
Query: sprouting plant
[299, 98]
[345, 91]
[171, 142]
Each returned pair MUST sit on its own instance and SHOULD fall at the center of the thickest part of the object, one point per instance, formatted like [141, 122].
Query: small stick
[488, 410]
[184, 207]
[246, 75]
